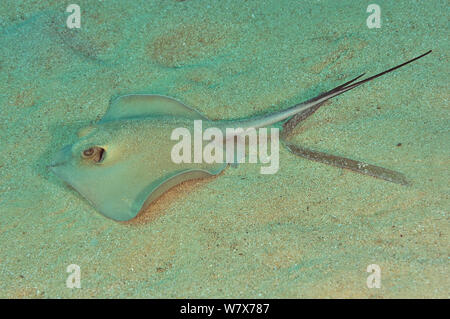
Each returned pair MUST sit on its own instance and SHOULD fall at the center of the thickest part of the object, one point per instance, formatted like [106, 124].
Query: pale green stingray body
[122, 163]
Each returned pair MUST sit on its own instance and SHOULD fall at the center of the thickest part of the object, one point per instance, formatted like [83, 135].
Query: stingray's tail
[348, 86]
[280, 116]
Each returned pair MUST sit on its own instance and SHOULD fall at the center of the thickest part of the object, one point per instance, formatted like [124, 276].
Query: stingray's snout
[62, 157]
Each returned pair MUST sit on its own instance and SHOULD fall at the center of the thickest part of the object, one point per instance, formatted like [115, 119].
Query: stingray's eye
[94, 153]
[89, 152]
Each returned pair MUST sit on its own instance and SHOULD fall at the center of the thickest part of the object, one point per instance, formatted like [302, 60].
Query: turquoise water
[310, 230]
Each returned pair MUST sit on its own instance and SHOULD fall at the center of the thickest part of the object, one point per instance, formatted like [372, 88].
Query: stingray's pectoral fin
[138, 195]
[342, 162]
[147, 197]
[134, 106]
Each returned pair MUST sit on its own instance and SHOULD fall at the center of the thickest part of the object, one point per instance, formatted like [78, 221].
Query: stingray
[123, 163]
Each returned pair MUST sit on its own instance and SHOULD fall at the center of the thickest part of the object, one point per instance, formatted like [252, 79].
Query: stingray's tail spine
[352, 86]
[280, 116]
